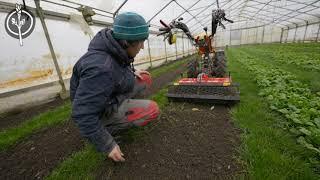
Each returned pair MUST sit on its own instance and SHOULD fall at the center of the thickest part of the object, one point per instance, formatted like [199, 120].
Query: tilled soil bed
[36, 156]
[182, 144]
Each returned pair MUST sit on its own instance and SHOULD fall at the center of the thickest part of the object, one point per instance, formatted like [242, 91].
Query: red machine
[207, 73]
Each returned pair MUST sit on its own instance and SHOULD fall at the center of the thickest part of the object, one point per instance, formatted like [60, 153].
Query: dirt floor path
[183, 144]
[39, 154]
[36, 157]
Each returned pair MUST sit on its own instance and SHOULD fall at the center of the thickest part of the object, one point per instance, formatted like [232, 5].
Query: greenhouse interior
[171, 89]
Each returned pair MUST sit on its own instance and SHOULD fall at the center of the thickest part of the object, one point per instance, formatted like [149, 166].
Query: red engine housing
[205, 80]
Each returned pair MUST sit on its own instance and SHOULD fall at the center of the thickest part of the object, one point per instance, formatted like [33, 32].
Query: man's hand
[116, 154]
[139, 72]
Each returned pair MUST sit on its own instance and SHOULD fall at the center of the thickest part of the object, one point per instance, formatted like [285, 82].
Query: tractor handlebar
[166, 30]
[217, 17]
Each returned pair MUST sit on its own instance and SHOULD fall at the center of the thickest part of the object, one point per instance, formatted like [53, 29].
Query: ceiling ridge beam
[222, 6]
[188, 12]
[201, 11]
[265, 4]
[244, 6]
[275, 12]
[266, 20]
[205, 6]
[297, 2]
[297, 10]
[272, 17]
[187, 9]
[291, 10]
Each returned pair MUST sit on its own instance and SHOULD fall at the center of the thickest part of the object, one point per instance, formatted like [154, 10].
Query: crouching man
[104, 81]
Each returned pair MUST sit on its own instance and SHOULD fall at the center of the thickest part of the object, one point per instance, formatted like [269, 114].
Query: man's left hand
[139, 72]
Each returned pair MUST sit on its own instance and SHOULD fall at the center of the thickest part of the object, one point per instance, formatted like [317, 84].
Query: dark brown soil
[183, 144]
[37, 156]
[165, 79]
[40, 153]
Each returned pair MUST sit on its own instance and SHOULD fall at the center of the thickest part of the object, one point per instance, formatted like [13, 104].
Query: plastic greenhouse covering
[30, 71]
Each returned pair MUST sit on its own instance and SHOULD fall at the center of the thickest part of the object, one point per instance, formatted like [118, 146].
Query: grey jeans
[131, 113]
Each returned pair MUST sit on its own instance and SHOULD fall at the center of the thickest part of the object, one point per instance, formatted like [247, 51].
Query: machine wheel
[192, 69]
[220, 64]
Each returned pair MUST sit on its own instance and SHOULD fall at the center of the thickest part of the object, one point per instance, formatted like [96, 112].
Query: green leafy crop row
[307, 58]
[289, 97]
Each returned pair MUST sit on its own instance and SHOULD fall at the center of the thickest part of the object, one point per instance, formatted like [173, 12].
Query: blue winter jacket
[101, 79]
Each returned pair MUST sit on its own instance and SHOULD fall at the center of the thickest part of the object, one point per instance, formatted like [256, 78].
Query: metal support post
[240, 36]
[188, 47]
[116, 12]
[160, 11]
[39, 11]
[257, 35]
[215, 41]
[182, 46]
[165, 51]
[262, 37]
[281, 35]
[175, 44]
[246, 34]
[287, 36]
[295, 33]
[271, 33]
[230, 38]
[305, 31]
[318, 33]
[149, 51]
[247, 37]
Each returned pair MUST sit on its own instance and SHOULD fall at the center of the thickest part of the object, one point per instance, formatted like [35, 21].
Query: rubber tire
[192, 69]
[220, 64]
